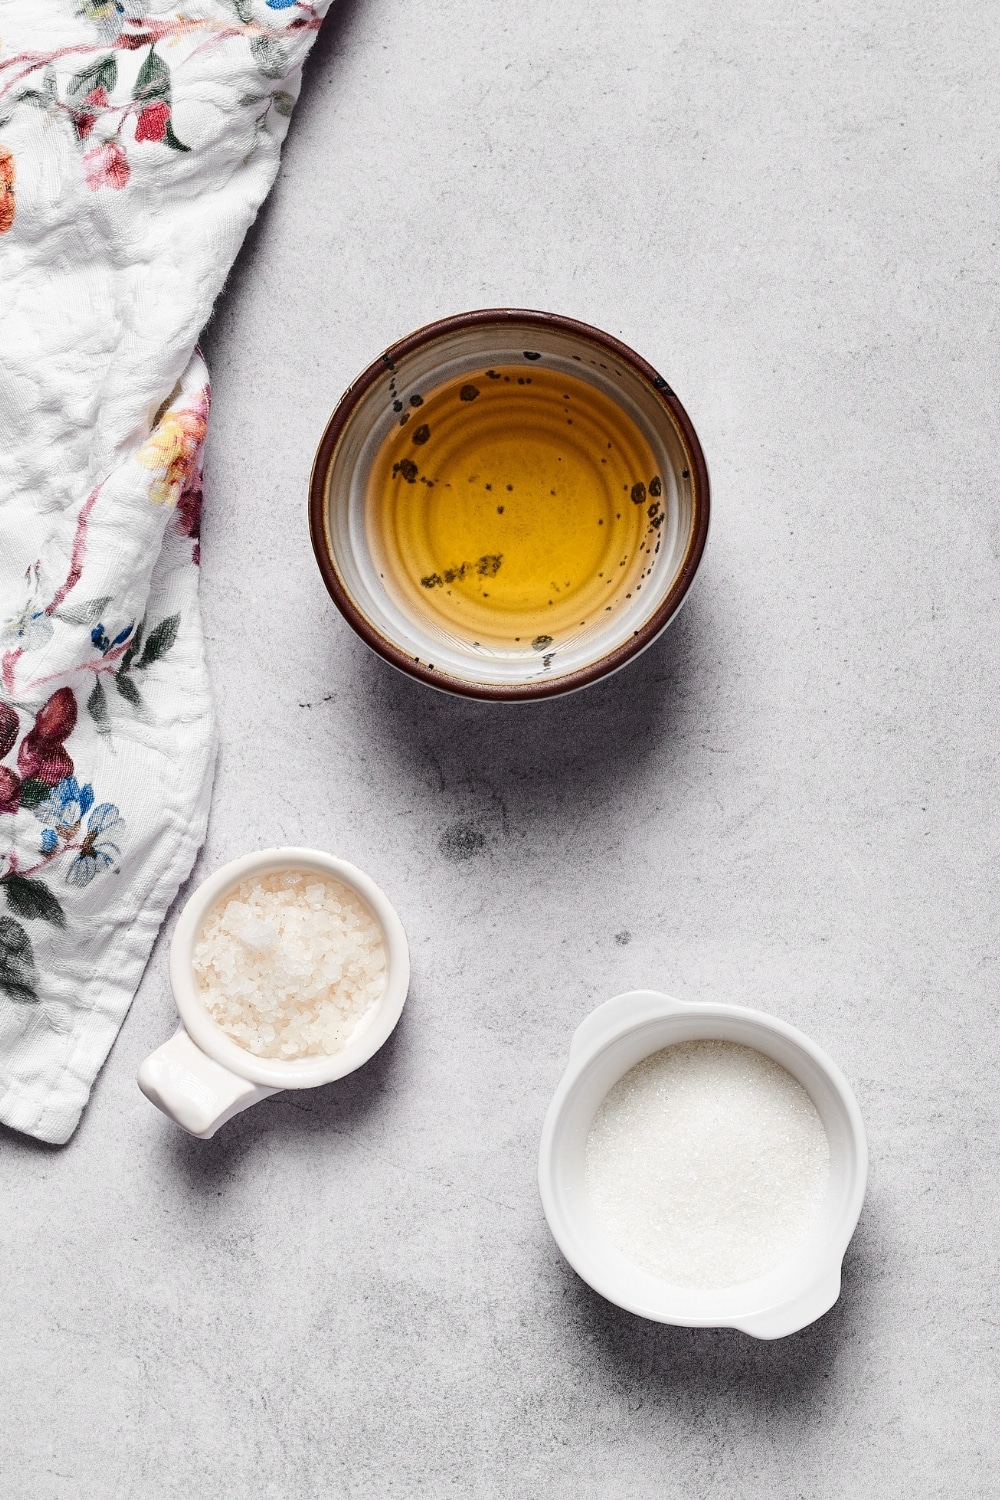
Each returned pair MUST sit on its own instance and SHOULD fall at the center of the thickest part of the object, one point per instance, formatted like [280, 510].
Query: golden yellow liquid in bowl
[514, 507]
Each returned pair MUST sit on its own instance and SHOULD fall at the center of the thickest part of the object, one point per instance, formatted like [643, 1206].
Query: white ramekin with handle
[613, 1039]
[201, 1077]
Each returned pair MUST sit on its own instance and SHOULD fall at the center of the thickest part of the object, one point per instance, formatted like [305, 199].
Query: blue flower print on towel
[29, 630]
[281, 4]
[101, 641]
[98, 851]
[63, 811]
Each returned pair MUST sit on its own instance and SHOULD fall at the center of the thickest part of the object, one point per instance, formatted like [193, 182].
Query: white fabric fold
[137, 142]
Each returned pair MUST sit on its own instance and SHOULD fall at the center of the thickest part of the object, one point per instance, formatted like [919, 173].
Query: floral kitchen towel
[137, 141]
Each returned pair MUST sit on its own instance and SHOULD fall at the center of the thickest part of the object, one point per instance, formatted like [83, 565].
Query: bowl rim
[273, 1072]
[813, 1294]
[613, 660]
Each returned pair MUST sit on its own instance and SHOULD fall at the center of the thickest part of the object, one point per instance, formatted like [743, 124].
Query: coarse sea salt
[288, 964]
[707, 1163]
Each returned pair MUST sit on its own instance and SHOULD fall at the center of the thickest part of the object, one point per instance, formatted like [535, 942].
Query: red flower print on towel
[10, 790]
[152, 122]
[106, 166]
[189, 516]
[86, 119]
[9, 725]
[10, 782]
[42, 756]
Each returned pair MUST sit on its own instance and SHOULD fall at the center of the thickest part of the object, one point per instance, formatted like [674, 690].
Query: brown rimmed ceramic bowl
[471, 342]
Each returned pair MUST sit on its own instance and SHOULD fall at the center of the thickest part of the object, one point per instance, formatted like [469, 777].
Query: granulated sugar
[706, 1164]
[287, 964]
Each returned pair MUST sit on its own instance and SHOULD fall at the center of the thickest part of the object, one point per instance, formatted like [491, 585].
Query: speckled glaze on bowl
[441, 351]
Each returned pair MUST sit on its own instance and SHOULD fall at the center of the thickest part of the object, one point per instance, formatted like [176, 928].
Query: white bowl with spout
[201, 1077]
[613, 1039]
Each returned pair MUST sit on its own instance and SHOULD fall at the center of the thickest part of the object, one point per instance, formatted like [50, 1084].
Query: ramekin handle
[779, 1322]
[193, 1089]
[626, 1009]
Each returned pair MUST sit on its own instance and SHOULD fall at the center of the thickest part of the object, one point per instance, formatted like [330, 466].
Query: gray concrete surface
[789, 803]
